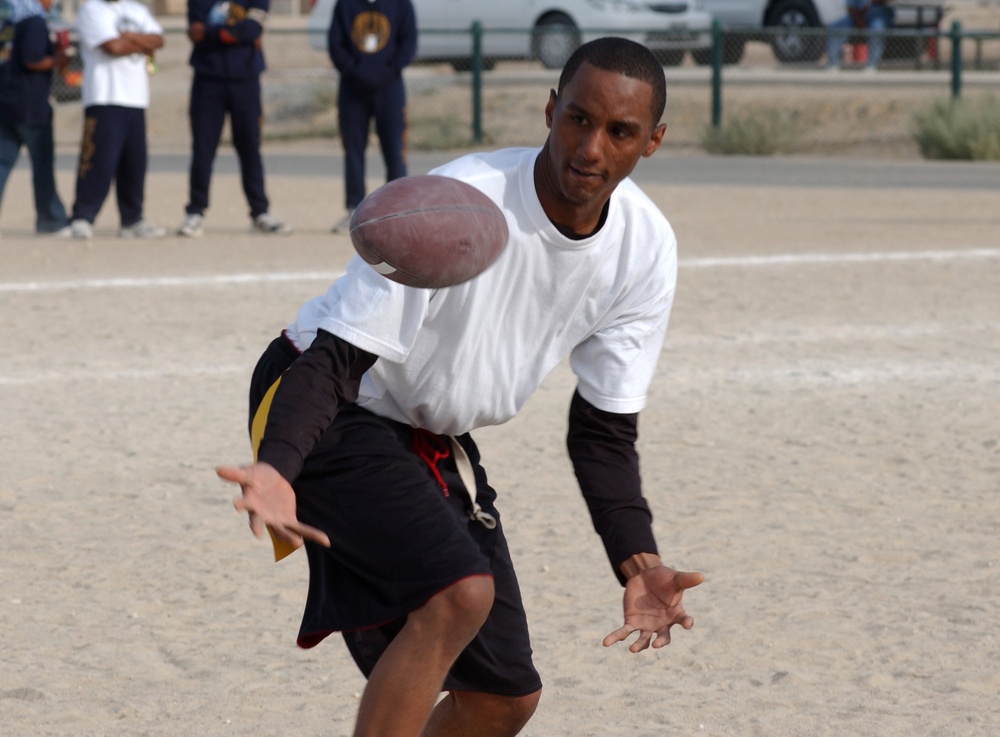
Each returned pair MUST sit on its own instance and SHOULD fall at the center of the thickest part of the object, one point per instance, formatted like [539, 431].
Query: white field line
[168, 281]
[873, 333]
[840, 258]
[327, 276]
[813, 374]
[93, 376]
[810, 373]
[819, 374]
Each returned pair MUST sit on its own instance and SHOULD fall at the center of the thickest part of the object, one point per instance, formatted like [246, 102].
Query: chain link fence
[498, 100]
[832, 97]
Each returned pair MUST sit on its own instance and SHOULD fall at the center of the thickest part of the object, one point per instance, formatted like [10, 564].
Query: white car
[546, 30]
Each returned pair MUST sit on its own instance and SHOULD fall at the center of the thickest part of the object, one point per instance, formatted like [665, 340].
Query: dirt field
[821, 441]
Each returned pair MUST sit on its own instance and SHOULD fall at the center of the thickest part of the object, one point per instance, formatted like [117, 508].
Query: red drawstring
[431, 449]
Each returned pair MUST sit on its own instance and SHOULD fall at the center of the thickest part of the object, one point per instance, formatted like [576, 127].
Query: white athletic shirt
[107, 79]
[454, 359]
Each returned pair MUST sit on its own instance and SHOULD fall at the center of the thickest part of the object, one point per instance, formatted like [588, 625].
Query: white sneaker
[265, 223]
[344, 223]
[64, 232]
[869, 70]
[191, 227]
[142, 229]
[81, 230]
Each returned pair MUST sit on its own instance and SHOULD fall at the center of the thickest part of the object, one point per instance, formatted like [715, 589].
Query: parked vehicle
[546, 30]
[788, 18]
[787, 15]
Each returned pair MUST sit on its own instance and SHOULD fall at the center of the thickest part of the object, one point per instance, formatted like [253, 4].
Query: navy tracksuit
[227, 66]
[370, 43]
[113, 147]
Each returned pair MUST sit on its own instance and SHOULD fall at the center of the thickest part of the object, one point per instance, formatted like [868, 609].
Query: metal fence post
[477, 82]
[956, 60]
[716, 73]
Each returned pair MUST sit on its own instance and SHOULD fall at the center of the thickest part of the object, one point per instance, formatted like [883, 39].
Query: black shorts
[398, 536]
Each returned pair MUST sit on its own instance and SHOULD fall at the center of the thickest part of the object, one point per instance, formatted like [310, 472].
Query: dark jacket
[233, 30]
[24, 94]
[372, 41]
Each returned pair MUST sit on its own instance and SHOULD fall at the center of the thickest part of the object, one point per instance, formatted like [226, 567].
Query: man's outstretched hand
[653, 605]
[269, 500]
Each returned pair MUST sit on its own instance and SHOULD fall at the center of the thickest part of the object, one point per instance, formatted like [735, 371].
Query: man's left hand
[653, 605]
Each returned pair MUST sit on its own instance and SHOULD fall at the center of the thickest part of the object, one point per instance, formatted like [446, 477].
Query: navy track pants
[211, 100]
[357, 107]
[113, 147]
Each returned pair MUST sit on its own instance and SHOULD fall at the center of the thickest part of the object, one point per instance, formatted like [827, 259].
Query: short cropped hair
[628, 58]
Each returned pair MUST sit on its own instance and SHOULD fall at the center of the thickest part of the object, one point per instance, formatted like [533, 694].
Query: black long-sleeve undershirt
[601, 444]
[326, 376]
[602, 448]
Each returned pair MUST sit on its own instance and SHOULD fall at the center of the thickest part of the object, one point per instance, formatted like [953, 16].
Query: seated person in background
[874, 15]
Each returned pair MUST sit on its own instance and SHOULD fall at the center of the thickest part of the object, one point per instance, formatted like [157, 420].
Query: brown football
[428, 231]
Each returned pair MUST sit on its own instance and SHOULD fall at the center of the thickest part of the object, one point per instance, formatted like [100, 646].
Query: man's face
[601, 125]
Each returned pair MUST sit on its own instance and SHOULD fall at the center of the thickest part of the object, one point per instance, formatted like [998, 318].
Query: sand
[821, 441]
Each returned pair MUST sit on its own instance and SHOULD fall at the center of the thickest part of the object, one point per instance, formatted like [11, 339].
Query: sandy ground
[821, 441]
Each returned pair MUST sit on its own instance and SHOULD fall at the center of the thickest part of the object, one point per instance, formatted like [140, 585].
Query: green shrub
[959, 129]
[754, 133]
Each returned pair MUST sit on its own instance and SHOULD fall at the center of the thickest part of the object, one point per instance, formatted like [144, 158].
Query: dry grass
[960, 129]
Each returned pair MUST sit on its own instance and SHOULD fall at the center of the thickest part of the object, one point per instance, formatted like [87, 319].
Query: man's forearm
[146, 42]
[601, 447]
[44, 64]
[133, 43]
[247, 31]
[324, 378]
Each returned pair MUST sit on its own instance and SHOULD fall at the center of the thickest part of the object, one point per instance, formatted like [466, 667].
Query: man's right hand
[270, 502]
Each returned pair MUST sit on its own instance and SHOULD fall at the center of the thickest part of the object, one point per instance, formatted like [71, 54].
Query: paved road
[749, 171]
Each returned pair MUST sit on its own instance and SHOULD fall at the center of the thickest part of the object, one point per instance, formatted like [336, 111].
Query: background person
[227, 61]
[117, 42]
[27, 58]
[370, 43]
[370, 394]
[874, 15]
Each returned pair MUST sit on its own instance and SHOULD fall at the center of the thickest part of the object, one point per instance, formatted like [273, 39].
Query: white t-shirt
[452, 360]
[107, 79]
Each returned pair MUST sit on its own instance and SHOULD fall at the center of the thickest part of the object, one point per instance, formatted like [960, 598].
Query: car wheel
[554, 40]
[790, 16]
[670, 58]
[732, 52]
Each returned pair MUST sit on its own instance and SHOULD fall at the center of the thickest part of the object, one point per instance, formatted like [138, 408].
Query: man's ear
[655, 139]
[550, 108]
